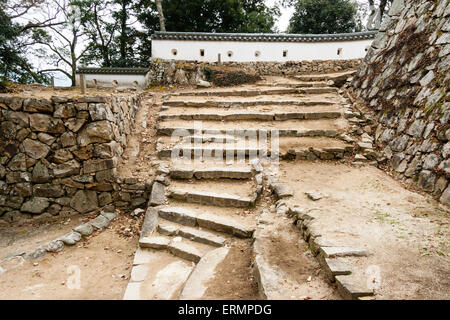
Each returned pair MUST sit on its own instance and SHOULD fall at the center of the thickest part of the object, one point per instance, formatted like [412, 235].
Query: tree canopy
[14, 64]
[324, 16]
[39, 38]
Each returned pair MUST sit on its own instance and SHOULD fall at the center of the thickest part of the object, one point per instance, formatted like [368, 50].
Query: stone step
[245, 92]
[308, 148]
[208, 221]
[208, 152]
[211, 173]
[157, 275]
[258, 92]
[201, 236]
[240, 104]
[311, 152]
[193, 234]
[211, 198]
[336, 77]
[186, 249]
[353, 286]
[260, 116]
[309, 84]
[203, 274]
[169, 131]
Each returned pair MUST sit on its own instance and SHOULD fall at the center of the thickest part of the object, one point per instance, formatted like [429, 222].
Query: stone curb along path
[329, 256]
[83, 230]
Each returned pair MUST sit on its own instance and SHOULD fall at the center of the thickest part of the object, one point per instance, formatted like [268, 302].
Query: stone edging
[349, 289]
[83, 230]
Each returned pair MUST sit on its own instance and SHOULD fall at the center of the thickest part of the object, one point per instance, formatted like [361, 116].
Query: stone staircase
[201, 198]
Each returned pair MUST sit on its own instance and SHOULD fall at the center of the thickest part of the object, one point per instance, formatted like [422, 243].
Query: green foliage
[252, 16]
[324, 16]
[4, 85]
[14, 64]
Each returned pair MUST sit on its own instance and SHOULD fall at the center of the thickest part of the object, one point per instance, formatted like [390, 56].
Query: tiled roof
[112, 70]
[269, 37]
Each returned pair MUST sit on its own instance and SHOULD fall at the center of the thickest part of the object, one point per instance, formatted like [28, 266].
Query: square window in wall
[285, 53]
[202, 52]
[339, 52]
[174, 52]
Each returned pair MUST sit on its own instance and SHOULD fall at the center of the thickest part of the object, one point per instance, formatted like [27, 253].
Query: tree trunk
[123, 31]
[162, 20]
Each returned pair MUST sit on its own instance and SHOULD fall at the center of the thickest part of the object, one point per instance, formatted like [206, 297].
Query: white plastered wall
[114, 80]
[243, 51]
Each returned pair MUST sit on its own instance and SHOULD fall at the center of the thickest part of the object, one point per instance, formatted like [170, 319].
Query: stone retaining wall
[188, 72]
[58, 155]
[405, 79]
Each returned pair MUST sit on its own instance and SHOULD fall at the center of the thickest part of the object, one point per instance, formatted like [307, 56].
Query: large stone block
[38, 105]
[101, 131]
[84, 201]
[67, 169]
[101, 111]
[92, 166]
[35, 149]
[64, 111]
[36, 205]
[48, 190]
[40, 173]
[45, 123]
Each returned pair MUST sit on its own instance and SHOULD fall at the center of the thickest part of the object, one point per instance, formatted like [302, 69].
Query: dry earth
[103, 263]
[407, 234]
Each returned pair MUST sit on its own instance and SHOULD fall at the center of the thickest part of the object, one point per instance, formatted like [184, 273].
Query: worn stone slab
[158, 196]
[226, 225]
[218, 199]
[223, 173]
[71, 238]
[167, 282]
[204, 272]
[203, 151]
[332, 252]
[227, 104]
[150, 222]
[54, 246]
[182, 173]
[267, 277]
[133, 291]
[109, 215]
[201, 236]
[336, 267]
[179, 215]
[168, 131]
[142, 256]
[185, 251]
[139, 272]
[282, 191]
[155, 242]
[352, 287]
[167, 230]
[100, 222]
[84, 229]
[315, 196]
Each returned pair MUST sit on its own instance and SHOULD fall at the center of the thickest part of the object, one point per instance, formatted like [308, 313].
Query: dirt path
[406, 234]
[102, 264]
